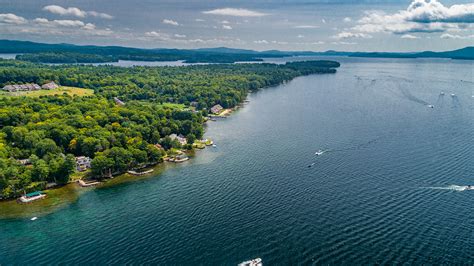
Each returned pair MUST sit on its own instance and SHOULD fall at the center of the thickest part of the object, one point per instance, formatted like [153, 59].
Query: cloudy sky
[316, 25]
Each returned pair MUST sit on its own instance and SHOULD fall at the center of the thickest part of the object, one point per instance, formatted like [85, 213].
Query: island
[132, 119]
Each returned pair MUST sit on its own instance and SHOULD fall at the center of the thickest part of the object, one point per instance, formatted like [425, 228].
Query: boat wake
[453, 187]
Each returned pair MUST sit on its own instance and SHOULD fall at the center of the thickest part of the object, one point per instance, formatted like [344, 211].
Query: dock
[30, 197]
[139, 173]
[82, 183]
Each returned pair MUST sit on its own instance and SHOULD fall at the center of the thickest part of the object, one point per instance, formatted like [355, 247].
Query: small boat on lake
[319, 152]
[254, 262]
[442, 93]
[34, 218]
[30, 197]
[452, 94]
[181, 158]
[430, 106]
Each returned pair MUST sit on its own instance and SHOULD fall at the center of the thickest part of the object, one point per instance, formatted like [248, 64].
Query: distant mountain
[213, 55]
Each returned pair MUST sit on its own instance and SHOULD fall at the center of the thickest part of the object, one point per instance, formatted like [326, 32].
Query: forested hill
[50, 130]
[68, 53]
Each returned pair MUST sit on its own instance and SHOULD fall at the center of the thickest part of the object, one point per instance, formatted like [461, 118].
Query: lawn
[73, 91]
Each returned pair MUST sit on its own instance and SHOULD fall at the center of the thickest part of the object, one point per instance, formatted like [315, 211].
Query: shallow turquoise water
[383, 193]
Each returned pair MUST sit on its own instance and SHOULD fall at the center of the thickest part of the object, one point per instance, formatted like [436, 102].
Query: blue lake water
[390, 188]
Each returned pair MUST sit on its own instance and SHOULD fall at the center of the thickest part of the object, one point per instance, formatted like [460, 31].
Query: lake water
[388, 190]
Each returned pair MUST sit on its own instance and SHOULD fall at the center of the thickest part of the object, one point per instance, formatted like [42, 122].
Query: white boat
[34, 218]
[430, 106]
[319, 152]
[452, 94]
[254, 262]
[442, 93]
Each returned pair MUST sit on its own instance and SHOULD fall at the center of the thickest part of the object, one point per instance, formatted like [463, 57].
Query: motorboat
[319, 152]
[430, 106]
[34, 218]
[452, 94]
[442, 93]
[254, 262]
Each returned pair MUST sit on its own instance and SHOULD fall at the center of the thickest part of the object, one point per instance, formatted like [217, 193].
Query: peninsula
[134, 118]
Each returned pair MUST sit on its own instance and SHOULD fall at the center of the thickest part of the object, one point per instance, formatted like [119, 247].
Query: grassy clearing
[72, 91]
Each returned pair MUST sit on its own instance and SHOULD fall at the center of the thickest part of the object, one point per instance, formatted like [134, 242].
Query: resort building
[50, 86]
[22, 87]
[83, 163]
[216, 109]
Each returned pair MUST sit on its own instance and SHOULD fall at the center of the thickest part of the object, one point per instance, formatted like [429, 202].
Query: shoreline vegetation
[137, 119]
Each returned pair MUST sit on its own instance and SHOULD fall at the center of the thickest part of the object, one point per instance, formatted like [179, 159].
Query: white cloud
[346, 35]
[347, 19]
[261, 42]
[63, 23]
[180, 35]
[235, 12]
[427, 11]
[344, 43]
[225, 22]
[306, 27]
[99, 15]
[74, 11]
[226, 27]
[409, 36]
[318, 42]
[455, 36]
[420, 16]
[170, 22]
[157, 35]
[59, 10]
[300, 36]
[199, 20]
[10, 18]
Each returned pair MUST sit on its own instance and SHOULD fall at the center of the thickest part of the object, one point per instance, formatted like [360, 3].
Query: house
[25, 161]
[158, 146]
[83, 163]
[182, 139]
[216, 109]
[9, 88]
[173, 136]
[194, 104]
[50, 86]
[118, 101]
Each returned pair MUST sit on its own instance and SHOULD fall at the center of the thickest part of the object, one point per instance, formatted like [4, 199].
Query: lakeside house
[83, 163]
[158, 146]
[181, 139]
[50, 86]
[216, 109]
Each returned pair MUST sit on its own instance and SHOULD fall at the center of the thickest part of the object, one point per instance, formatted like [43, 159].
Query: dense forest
[51, 130]
[70, 58]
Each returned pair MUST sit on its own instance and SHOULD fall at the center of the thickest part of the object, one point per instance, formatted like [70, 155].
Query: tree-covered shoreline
[51, 130]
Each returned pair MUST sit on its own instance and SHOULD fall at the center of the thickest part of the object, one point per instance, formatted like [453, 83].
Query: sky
[311, 25]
